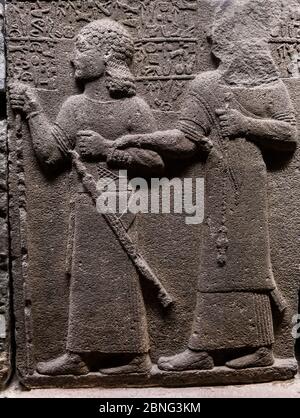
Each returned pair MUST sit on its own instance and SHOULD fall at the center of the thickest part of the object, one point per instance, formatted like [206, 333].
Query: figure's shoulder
[138, 104]
[203, 81]
[73, 101]
[281, 87]
[279, 96]
[277, 92]
[140, 115]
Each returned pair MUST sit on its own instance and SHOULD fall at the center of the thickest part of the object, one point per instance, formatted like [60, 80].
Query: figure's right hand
[91, 144]
[23, 98]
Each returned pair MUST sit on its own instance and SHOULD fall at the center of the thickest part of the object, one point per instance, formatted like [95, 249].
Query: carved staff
[118, 229]
[21, 205]
[112, 219]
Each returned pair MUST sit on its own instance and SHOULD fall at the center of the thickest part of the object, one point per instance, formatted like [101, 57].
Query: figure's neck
[97, 90]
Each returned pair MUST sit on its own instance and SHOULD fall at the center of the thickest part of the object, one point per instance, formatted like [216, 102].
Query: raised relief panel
[182, 89]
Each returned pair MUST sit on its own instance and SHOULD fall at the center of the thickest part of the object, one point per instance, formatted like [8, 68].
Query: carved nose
[73, 62]
[73, 59]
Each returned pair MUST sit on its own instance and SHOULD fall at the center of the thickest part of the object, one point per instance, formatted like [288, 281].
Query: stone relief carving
[164, 37]
[5, 325]
[233, 113]
[285, 38]
[102, 55]
[231, 116]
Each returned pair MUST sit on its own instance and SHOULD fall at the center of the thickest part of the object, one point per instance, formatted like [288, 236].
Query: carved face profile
[88, 62]
[105, 48]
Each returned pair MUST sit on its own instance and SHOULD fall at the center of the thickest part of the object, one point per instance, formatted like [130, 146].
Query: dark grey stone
[5, 324]
[5, 330]
[98, 298]
[2, 52]
[281, 370]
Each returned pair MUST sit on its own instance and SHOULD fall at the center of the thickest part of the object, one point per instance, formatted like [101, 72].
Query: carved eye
[79, 46]
[96, 40]
[82, 45]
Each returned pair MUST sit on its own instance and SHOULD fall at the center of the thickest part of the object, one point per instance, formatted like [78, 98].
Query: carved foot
[68, 364]
[263, 357]
[188, 360]
[139, 365]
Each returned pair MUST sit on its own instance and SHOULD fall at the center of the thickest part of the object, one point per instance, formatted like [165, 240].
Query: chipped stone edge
[5, 350]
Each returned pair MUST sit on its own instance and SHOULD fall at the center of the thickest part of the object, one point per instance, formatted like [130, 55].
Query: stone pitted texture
[2, 52]
[206, 99]
[5, 331]
[281, 370]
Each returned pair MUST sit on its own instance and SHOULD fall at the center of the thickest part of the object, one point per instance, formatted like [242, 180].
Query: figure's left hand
[91, 144]
[232, 122]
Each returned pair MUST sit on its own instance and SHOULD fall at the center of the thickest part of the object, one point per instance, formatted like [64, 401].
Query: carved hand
[233, 123]
[23, 99]
[128, 141]
[91, 144]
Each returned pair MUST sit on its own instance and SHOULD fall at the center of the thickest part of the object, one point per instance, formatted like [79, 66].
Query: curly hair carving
[113, 39]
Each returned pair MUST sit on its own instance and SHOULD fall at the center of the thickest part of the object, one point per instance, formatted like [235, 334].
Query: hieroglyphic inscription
[285, 41]
[165, 34]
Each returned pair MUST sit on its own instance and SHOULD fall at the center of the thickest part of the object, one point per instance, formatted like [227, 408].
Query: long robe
[106, 308]
[235, 277]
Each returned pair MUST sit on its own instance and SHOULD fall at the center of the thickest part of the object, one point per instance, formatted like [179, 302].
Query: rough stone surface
[288, 389]
[5, 331]
[215, 93]
[281, 370]
[2, 52]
